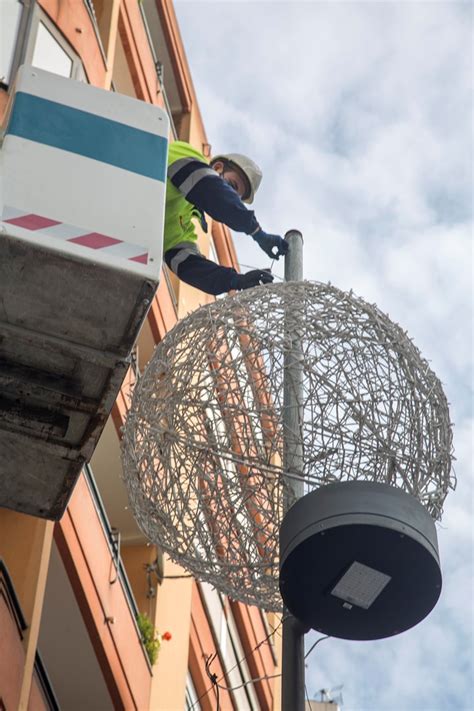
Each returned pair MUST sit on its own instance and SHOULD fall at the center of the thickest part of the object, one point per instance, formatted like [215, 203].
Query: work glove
[253, 278]
[270, 243]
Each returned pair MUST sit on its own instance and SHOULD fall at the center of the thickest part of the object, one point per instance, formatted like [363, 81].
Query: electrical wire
[215, 679]
[257, 646]
[260, 678]
[201, 697]
[212, 677]
[314, 645]
[250, 681]
[269, 676]
[275, 276]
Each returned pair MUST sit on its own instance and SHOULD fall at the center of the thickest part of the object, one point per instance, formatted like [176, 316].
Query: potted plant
[150, 637]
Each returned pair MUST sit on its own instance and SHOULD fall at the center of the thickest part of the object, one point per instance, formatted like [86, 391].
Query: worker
[219, 188]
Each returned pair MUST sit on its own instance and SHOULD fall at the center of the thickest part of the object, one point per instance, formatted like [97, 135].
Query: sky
[360, 115]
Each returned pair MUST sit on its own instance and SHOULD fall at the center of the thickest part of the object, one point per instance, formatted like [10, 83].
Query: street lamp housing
[359, 560]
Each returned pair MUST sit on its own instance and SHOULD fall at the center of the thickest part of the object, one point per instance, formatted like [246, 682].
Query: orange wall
[172, 614]
[86, 556]
[13, 657]
[12, 654]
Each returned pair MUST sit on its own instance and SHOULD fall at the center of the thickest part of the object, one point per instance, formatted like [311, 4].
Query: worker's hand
[253, 278]
[273, 245]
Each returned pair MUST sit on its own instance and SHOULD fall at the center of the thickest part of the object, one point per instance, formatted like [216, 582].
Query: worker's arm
[209, 277]
[205, 189]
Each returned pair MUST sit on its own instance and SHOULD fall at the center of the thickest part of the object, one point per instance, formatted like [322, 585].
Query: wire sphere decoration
[203, 443]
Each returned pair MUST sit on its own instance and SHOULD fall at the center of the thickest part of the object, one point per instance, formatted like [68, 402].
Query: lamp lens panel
[360, 585]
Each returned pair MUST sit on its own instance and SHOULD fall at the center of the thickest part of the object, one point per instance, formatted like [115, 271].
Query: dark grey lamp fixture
[359, 560]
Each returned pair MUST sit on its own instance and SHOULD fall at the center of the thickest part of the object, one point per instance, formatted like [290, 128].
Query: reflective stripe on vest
[186, 249]
[189, 183]
[179, 212]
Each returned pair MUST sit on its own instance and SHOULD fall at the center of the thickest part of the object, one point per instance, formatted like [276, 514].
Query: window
[49, 50]
[49, 55]
[122, 76]
[13, 17]
[213, 256]
[29, 37]
[212, 250]
[192, 701]
[229, 645]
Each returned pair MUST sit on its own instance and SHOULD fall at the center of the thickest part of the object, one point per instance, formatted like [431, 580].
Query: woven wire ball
[203, 445]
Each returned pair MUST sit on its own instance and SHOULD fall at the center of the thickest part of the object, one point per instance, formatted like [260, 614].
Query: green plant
[150, 637]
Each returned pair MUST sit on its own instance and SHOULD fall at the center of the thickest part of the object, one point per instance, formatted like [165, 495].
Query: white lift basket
[82, 190]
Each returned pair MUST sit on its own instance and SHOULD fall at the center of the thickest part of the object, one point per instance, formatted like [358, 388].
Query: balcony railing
[113, 539]
[45, 685]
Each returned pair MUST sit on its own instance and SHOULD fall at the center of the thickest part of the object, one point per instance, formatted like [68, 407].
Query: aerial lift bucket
[82, 188]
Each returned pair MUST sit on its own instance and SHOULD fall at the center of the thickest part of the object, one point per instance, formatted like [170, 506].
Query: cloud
[360, 115]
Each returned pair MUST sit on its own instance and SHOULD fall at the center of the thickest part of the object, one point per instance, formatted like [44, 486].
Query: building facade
[73, 590]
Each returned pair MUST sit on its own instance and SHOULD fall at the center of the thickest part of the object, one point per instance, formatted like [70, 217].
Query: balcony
[89, 639]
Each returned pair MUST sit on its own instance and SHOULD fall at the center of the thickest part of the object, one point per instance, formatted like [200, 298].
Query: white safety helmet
[250, 169]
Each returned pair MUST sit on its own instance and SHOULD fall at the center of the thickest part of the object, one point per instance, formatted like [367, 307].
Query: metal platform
[80, 258]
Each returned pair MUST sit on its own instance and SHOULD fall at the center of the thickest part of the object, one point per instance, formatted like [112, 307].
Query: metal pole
[293, 375]
[293, 683]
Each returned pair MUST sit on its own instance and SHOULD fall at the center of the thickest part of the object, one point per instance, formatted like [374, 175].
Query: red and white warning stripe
[77, 235]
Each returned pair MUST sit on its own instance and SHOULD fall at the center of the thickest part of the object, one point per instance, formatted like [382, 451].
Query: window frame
[191, 700]
[38, 17]
[21, 41]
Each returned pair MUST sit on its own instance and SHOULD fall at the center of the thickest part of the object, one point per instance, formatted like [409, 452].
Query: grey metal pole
[293, 682]
[293, 374]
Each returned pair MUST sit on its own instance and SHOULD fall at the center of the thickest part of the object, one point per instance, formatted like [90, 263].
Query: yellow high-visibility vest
[179, 213]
